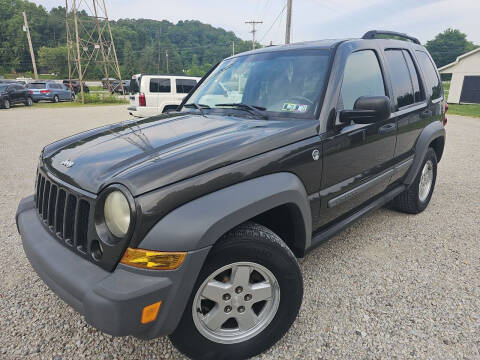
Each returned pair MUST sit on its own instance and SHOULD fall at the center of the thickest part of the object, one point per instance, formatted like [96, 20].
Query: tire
[73, 97]
[254, 247]
[29, 102]
[35, 101]
[55, 99]
[6, 104]
[415, 199]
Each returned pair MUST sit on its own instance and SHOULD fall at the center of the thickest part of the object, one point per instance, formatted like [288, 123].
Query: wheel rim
[7, 104]
[426, 179]
[55, 99]
[236, 302]
[29, 102]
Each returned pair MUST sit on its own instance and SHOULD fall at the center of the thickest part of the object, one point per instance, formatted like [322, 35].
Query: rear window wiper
[199, 107]
[253, 109]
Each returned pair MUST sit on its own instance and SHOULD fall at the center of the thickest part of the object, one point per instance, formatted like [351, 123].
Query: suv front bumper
[110, 301]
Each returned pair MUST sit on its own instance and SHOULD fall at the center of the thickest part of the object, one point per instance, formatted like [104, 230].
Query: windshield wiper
[253, 109]
[199, 107]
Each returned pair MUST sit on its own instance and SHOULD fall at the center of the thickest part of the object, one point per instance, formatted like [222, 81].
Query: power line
[274, 21]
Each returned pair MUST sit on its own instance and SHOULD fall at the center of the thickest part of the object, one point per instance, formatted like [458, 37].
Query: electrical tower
[90, 41]
[253, 23]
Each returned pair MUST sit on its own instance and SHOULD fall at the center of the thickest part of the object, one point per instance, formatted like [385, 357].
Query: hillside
[141, 43]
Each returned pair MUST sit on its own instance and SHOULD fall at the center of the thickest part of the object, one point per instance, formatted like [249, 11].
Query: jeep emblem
[67, 163]
[315, 154]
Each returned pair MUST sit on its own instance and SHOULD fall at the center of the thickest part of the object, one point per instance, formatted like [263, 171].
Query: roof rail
[372, 34]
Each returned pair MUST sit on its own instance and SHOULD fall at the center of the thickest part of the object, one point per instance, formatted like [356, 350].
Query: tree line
[142, 44]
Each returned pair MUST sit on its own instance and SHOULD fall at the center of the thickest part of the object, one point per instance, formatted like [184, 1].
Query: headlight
[117, 213]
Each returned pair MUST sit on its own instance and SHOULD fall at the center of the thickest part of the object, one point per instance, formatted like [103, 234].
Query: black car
[190, 224]
[116, 88]
[75, 84]
[12, 93]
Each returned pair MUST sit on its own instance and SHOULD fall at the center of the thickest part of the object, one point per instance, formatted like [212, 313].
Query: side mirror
[367, 110]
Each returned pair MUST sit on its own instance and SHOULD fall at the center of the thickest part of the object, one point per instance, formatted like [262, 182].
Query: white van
[157, 94]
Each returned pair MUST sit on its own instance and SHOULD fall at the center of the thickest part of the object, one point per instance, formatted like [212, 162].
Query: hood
[154, 152]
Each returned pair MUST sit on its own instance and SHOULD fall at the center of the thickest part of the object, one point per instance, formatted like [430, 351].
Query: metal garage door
[471, 90]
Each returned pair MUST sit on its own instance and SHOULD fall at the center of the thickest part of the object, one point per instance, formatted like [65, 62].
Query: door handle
[426, 114]
[387, 128]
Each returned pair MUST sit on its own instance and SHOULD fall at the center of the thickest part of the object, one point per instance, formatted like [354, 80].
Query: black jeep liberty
[189, 224]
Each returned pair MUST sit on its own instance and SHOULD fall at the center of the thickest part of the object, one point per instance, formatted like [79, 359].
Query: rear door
[183, 87]
[356, 156]
[470, 90]
[411, 111]
[160, 92]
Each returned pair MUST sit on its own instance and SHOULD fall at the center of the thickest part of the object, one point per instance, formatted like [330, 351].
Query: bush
[100, 98]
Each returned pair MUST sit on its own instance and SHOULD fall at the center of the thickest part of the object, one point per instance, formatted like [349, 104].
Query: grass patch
[102, 98]
[472, 110]
[68, 104]
[446, 85]
[96, 88]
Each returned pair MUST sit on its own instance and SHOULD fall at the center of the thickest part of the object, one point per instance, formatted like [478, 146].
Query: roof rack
[372, 34]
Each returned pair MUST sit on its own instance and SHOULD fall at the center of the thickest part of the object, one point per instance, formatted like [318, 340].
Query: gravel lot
[390, 286]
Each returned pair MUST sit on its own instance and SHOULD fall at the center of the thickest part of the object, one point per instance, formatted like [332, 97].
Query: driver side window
[362, 77]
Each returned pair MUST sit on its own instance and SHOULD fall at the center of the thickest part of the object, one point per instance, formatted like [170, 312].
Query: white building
[465, 84]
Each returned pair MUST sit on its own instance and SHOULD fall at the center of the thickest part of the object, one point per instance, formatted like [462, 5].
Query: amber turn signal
[150, 312]
[155, 260]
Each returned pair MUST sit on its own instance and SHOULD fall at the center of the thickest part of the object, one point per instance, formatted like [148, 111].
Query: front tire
[29, 102]
[416, 198]
[6, 104]
[245, 299]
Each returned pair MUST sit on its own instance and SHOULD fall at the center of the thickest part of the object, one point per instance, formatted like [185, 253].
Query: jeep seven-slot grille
[63, 212]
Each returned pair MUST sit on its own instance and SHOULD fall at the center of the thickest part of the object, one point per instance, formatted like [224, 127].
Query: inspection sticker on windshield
[294, 107]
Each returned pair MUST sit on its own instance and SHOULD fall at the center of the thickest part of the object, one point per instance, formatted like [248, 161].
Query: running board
[336, 228]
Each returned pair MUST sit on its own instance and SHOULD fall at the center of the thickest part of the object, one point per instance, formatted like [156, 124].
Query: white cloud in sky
[312, 19]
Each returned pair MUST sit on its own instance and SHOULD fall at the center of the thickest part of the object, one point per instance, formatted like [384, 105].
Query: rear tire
[271, 265]
[6, 104]
[29, 102]
[55, 99]
[416, 198]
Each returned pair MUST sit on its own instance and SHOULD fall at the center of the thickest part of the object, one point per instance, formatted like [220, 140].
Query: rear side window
[184, 86]
[401, 81]
[160, 86]
[432, 82]
[417, 85]
[362, 77]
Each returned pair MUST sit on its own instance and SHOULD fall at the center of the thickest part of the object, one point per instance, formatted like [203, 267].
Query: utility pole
[79, 57]
[289, 22]
[253, 23]
[233, 48]
[32, 54]
[166, 55]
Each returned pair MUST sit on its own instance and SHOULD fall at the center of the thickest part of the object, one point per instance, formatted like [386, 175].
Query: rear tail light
[141, 100]
[44, 91]
[31, 92]
[445, 114]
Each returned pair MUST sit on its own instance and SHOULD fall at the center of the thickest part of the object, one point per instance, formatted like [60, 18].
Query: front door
[356, 156]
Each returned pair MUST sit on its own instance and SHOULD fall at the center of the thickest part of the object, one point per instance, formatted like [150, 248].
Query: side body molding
[201, 222]
[431, 132]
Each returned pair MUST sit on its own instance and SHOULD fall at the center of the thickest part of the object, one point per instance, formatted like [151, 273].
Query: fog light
[155, 260]
[150, 312]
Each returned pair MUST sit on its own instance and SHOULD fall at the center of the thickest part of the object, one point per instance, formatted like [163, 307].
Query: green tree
[447, 46]
[128, 61]
[53, 60]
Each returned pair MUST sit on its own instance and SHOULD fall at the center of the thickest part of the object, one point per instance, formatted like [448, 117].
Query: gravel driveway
[390, 286]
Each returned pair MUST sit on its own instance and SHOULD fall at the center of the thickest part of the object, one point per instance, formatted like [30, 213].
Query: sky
[311, 19]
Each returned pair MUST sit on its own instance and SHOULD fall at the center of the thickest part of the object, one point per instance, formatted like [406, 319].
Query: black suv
[190, 224]
[14, 93]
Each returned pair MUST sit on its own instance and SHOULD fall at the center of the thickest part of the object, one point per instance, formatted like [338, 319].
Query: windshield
[3, 87]
[286, 83]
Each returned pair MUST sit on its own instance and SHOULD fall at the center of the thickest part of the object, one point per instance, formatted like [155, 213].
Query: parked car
[116, 88]
[189, 224]
[76, 86]
[50, 91]
[157, 94]
[108, 84]
[14, 93]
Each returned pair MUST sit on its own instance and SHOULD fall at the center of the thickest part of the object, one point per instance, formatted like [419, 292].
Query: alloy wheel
[426, 179]
[236, 302]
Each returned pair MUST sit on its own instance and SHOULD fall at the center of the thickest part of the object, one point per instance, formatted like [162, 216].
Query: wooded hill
[193, 47]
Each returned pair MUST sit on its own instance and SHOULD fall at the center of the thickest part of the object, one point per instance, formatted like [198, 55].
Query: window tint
[362, 77]
[417, 87]
[432, 82]
[184, 86]
[401, 81]
[37, 86]
[160, 85]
